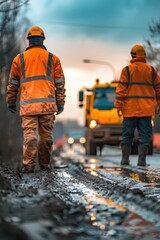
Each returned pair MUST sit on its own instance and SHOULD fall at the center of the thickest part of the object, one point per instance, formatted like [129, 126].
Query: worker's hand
[11, 107]
[119, 113]
[60, 109]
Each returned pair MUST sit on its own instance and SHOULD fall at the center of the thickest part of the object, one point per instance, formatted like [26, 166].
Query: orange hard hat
[138, 51]
[35, 31]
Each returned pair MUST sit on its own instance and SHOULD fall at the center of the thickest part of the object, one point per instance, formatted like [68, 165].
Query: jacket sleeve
[121, 89]
[59, 82]
[157, 87]
[13, 83]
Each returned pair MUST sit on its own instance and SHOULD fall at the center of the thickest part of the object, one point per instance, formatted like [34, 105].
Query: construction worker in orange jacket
[38, 75]
[137, 95]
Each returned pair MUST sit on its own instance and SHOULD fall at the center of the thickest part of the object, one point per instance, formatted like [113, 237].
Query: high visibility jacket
[39, 76]
[138, 91]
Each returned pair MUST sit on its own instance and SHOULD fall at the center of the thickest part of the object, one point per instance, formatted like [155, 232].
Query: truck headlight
[70, 140]
[82, 140]
[93, 124]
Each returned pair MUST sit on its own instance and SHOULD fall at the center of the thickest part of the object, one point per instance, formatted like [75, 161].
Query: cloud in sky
[109, 19]
[94, 29]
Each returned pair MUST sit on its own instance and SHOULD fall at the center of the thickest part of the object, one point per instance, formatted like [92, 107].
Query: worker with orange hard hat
[38, 75]
[137, 95]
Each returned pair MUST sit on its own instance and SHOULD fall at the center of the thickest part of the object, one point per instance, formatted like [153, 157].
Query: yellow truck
[103, 126]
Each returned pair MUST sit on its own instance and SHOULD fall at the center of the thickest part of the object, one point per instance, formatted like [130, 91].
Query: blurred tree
[11, 43]
[152, 45]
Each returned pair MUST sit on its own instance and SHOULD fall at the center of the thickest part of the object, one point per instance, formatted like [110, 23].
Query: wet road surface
[92, 198]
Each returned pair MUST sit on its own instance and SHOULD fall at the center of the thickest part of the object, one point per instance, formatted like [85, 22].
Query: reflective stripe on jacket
[138, 91]
[39, 76]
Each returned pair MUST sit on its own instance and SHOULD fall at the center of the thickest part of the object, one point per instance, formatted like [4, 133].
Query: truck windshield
[104, 98]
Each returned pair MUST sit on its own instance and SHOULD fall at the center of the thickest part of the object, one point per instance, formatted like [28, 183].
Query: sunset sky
[103, 30]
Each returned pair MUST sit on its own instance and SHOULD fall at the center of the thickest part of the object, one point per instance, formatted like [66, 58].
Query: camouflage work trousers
[37, 133]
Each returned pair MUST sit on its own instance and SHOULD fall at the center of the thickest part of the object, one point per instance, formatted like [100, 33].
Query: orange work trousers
[37, 133]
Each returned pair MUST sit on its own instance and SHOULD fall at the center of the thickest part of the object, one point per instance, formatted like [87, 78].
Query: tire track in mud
[137, 196]
[87, 206]
[122, 191]
[106, 212]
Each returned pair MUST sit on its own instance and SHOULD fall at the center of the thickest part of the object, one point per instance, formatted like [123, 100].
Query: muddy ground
[77, 203]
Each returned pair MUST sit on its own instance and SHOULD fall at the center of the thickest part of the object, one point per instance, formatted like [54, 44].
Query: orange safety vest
[138, 91]
[40, 77]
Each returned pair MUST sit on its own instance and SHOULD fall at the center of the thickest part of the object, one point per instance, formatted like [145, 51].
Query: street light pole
[103, 63]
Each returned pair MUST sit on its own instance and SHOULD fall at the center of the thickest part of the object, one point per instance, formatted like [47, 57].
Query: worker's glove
[119, 113]
[60, 109]
[11, 107]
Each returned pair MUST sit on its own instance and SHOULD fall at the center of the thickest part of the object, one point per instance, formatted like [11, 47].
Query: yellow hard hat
[138, 51]
[35, 31]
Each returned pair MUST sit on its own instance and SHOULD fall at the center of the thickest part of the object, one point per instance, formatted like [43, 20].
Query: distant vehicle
[103, 126]
[76, 136]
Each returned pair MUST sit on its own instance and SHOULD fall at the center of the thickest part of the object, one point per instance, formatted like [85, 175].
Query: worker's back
[36, 61]
[138, 81]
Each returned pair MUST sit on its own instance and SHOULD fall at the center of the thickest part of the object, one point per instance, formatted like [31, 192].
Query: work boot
[142, 153]
[45, 168]
[126, 150]
[28, 169]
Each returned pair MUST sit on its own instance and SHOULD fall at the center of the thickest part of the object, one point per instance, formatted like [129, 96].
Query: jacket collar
[138, 59]
[36, 45]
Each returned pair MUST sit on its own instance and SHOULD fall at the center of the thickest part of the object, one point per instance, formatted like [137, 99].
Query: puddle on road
[133, 219]
[105, 213]
[146, 175]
